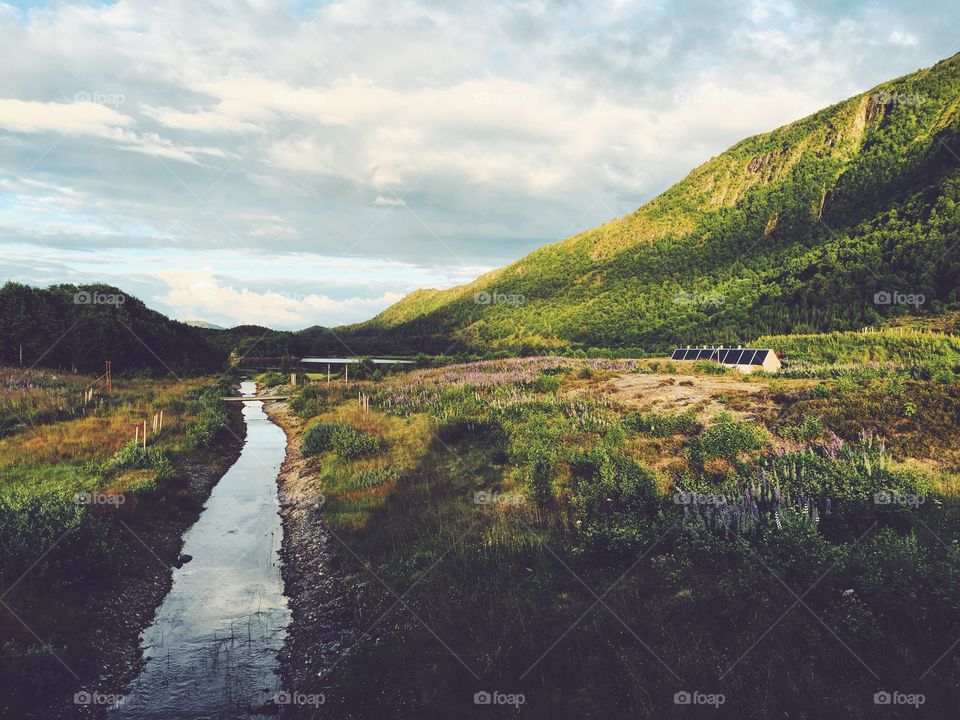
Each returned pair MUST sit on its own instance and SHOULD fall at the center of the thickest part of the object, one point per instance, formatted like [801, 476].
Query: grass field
[503, 517]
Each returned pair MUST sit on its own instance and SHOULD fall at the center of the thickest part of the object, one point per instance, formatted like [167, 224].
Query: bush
[540, 476]
[809, 430]
[727, 438]
[345, 441]
[133, 456]
[614, 498]
[272, 378]
[546, 383]
[661, 425]
[710, 368]
[820, 391]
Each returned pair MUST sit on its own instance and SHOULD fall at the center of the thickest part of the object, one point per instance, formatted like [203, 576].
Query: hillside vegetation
[795, 230]
[478, 511]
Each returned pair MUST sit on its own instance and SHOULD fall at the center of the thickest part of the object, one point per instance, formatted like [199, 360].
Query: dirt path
[679, 393]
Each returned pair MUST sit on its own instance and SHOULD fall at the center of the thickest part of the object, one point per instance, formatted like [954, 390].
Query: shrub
[317, 438]
[820, 391]
[546, 383]
[809, 430]
[661, 425]
[727, 438]
[272, 378]
[614, 495]
[710, 368]
[540, 476]
[345, 441]
[133, 456]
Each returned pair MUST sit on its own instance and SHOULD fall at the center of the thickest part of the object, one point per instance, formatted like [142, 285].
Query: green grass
[568, 498]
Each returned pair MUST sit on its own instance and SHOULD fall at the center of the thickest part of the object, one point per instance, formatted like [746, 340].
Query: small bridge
[253, 398]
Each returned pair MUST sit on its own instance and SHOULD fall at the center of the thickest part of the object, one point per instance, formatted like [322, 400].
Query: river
[212, 648]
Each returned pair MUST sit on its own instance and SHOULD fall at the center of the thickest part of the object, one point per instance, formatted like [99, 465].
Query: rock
[183, 560]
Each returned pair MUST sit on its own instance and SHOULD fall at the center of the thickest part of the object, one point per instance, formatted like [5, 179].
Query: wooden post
[136, 438]
[293, 379]
[346, 372]
[144, 434]
[328, 372]
[161, 422]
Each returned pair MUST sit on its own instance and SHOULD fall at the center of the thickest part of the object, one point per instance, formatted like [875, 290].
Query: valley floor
[605, 538]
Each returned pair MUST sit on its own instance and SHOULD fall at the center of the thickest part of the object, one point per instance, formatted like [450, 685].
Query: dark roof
[724, 356]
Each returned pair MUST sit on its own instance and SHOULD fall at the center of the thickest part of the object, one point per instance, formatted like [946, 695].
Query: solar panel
[725, 356]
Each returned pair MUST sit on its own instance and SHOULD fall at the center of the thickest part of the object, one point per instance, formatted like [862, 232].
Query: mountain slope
[792, 230]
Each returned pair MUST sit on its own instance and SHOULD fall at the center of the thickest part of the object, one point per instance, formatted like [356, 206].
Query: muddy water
[212, 649]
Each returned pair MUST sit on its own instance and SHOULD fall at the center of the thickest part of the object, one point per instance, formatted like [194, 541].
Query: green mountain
[795, 230]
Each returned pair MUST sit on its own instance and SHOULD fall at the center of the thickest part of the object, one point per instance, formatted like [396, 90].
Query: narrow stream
[212, 649]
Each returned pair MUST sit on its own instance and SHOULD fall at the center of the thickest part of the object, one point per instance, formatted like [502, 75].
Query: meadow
[522, 527]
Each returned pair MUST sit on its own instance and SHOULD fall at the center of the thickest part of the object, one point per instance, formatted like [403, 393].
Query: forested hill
[81, 326]
[798, 229]
[70, 326]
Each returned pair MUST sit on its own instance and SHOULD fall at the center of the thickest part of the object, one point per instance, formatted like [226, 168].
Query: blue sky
[293, 163]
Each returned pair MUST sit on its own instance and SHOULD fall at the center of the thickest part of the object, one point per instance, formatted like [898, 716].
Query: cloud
[95, 120]
[200, 294]
[78, 118]
[902, 38]
[460, 135]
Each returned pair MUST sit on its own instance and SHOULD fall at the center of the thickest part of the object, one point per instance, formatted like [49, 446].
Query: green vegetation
[76, 491]
[506, 506]
[792, 231]
[346, 442]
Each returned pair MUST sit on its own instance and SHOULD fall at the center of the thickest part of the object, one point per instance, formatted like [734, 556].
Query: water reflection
[212, 649]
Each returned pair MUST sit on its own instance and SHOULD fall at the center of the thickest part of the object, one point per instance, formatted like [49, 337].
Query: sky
[299, 163]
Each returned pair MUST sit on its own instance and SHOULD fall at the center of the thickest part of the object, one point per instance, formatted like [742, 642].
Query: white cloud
[898, 37]
[498, 126]
[199, 294]
[78, 118]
